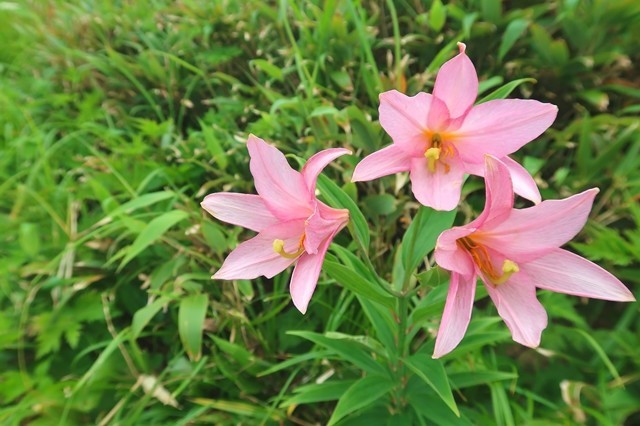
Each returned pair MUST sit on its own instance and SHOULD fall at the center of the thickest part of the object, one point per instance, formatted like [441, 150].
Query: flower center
[481, 257]
[436, 151]
[278, 247]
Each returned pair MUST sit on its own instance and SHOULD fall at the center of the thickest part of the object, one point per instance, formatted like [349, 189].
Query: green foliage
[116, 118]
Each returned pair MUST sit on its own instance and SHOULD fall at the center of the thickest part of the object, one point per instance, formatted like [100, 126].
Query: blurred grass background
[117, 117]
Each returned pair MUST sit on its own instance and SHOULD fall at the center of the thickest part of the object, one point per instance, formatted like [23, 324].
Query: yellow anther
[278, 247]
[432, 155]
[509, 267]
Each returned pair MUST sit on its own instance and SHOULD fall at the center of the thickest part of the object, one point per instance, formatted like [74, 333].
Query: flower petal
[324, 222]
[566, 272]
[499, 193]
[457, 83]
[282, 188]
[305, 276]
[317, 163]
[520, 309]
[523, 183]
[533, 232]
[404, 118]
[385, 162]
[439, 118]
[256, 256]
[439, 189]
[501, 127]
[456, 315]
[246, 210]
[450, 256]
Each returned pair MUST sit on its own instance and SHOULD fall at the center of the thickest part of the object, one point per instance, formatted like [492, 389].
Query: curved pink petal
[456, 315]
[499, 193]
[566, 272]
[439, 118]
[387, 161]
[439, 189]
[533, 232]
[305, 276]
[246, 210]
[324, 222]
[523, 183]
[404, 118]
[501, 127]
[450, 256]
[317, 163]
[457, 83]
[282, 188]
[256, 256]
[520, 309]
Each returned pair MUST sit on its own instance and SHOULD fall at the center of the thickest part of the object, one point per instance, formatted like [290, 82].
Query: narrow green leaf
[353, 352]
[362, 393]
[421, 236]
[433, 374]
[142, 316]
[242, 409]
[142, 201]
[318, 392]
[191, 315]
[382, 321]
[29, 238]
[102, 359]
[336, 197]
[268, 68]
[500, 402]
[601, 353]
[512, 33]
[213, 144]
[437, 15]
[466, 379]
[152, 232]
[356, 283]
[505, 90]
[240, 355]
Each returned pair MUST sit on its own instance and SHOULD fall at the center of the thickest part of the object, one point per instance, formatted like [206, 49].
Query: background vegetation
[117, 117]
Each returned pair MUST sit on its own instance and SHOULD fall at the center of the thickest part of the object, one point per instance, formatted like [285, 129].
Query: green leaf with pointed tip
[362, 393]
[354, 352]
[191, 315]
[433, 374]
[422, 234]
[356, 283]
[152, 232]
[505, 90]
[336, 197]
[512, 33]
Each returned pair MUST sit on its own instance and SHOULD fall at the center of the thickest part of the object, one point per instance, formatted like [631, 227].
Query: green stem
[402, 324]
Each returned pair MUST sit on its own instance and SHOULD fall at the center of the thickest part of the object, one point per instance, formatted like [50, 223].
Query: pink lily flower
[441, 136]
[513, 252]
[293, 226]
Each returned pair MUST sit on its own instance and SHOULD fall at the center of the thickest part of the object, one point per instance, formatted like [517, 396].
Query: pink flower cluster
[437, 138]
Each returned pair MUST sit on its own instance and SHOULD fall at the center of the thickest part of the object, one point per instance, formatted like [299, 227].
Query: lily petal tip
[462, 47]
[300, 307]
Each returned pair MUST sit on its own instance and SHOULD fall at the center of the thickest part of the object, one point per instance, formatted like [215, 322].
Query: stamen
[432, 155]
[278, 247]
[509, 267]
[481, 257]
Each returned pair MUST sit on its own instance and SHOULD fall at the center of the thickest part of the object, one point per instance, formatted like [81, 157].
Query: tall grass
[116, 118]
